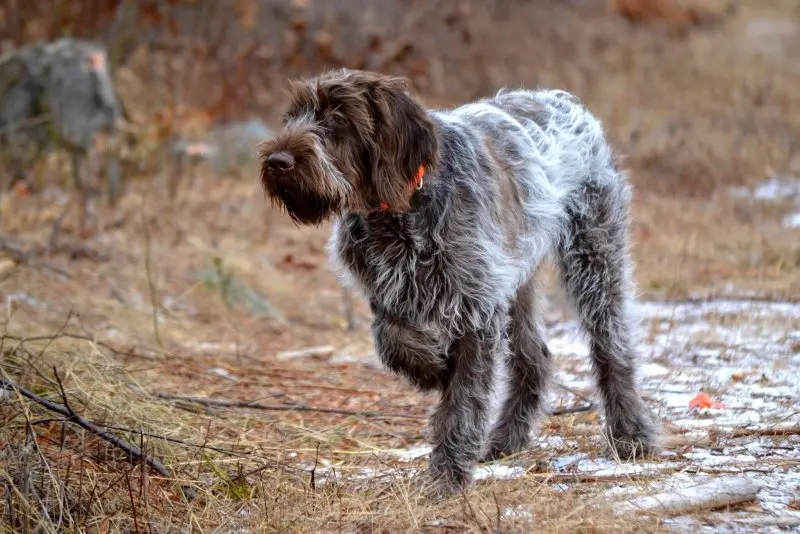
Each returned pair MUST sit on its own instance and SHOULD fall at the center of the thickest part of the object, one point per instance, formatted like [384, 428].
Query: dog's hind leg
[595, 263]
[529, 367]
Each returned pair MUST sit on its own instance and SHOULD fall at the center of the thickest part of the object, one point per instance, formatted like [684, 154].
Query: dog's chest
[401, 267]
[390, 256]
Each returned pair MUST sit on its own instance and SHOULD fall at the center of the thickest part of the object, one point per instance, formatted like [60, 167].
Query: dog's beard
[313, 191]
[305, 207]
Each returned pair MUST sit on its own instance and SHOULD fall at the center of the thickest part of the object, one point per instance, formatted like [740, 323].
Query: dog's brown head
[351, 140]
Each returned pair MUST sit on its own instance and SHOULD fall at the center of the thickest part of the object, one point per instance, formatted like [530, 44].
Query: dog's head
[351, 140]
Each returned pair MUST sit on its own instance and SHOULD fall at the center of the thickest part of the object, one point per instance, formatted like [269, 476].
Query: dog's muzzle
[286, 181]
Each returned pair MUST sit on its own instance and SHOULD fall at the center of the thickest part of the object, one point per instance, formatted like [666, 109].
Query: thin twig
[574, 409]
[151, 283]
[205, 401]
[31, 434]
[471, 510]
[499, 514]
[27, 357]
[314, 470]
[589, 478]
[62, 392]
[131, 451]
[133, 504]
[144, 486]
[574, 392]
[179, 441]
[50, 339]
[113, 484]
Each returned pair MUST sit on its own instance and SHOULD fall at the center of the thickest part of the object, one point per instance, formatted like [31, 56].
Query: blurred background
[698, 96]
[139, 256]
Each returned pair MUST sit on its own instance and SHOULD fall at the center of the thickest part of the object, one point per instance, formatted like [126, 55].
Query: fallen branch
[79, 337]
[132, 451]
[766, 299]
[655, 470]
[773, 431]
[718, 493]
[21, 256]
[592, 478]
[80, 251]
[783, 521]
[218, 403]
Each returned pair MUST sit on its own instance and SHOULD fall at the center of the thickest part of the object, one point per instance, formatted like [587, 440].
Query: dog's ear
[405, 138]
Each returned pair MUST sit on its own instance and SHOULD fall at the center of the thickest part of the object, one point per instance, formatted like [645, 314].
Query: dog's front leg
[412, 352]
[458, 424]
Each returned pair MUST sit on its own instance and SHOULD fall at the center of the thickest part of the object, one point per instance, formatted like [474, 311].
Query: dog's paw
[632, 437]
[498, 451]
[427, 487]
[631, 448]
[444, 480]
[492, 455]
[503, 444]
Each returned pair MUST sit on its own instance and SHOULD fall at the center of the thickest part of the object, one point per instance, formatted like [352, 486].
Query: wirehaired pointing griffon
[441, 219]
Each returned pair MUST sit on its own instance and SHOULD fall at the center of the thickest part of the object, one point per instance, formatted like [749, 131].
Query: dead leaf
[289, 261]
[704, 400]
[22, 189]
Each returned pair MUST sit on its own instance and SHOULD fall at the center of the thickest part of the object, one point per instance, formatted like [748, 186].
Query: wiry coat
[450, 276]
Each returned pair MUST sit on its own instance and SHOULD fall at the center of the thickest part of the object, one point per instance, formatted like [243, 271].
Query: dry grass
[714, 246]
[694, 113]
[261, 477]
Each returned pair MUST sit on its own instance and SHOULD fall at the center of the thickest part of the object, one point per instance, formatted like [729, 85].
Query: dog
[442, 219]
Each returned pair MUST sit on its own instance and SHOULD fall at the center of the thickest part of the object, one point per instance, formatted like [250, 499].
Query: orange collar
[416, 184]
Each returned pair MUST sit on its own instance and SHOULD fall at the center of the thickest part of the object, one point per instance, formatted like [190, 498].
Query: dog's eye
[337, 121]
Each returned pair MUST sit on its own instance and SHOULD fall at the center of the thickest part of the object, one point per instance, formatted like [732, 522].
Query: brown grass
[694, 112]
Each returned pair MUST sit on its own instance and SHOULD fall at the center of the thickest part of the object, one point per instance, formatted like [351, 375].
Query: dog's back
[565, 138]
[542, 148]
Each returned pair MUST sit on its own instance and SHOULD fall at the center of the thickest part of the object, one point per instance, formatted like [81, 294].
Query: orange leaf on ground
[703, 400]
[22, 190]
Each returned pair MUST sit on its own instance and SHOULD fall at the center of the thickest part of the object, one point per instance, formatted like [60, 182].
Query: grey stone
[228, 146]
[57, 95]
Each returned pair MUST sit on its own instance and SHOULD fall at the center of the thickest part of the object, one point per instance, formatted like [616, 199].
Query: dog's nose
[280, 162]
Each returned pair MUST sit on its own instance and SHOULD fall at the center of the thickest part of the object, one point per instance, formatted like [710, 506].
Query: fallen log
[321, 352]
[717, 493]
